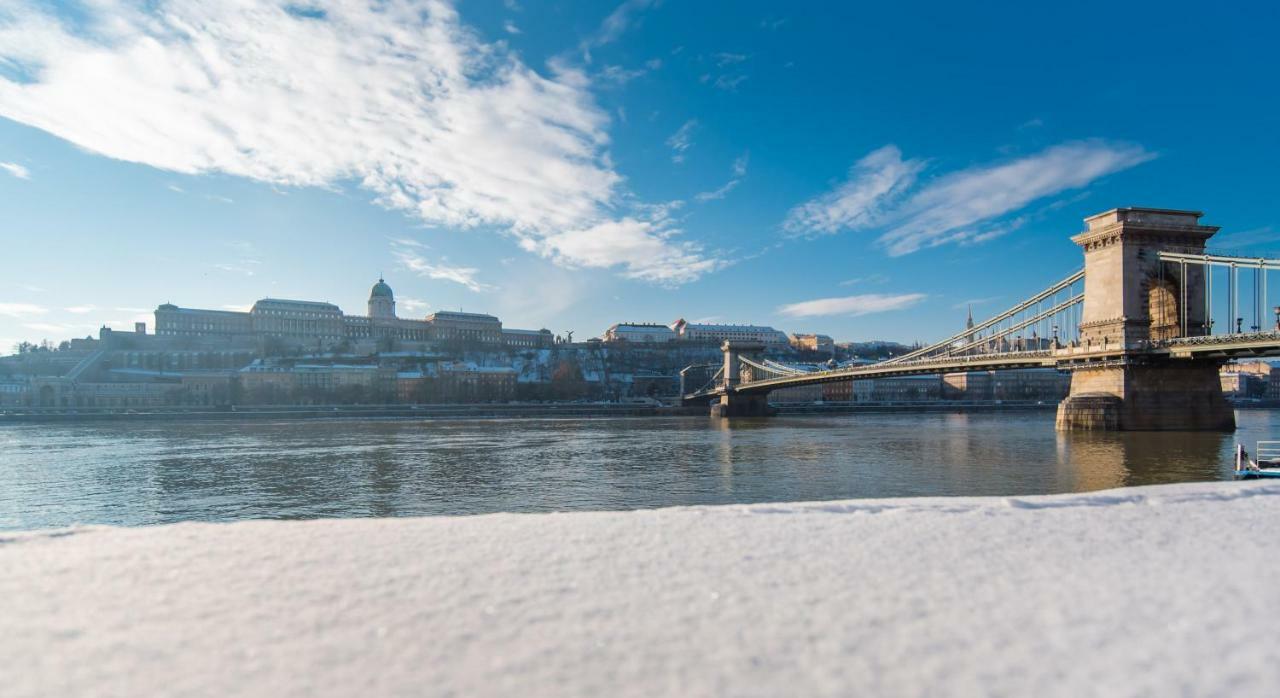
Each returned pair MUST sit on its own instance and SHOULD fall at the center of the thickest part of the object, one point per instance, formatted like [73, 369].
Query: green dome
[381, 290]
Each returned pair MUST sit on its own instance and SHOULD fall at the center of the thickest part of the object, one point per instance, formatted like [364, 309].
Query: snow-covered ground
[1156, 591]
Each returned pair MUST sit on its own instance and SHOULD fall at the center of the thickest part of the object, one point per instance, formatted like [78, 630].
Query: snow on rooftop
[1155, 591]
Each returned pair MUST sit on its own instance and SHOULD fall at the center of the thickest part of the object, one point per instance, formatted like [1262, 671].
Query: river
[162, 472]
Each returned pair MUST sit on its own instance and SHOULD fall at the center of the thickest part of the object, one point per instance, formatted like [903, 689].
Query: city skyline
[571, 166]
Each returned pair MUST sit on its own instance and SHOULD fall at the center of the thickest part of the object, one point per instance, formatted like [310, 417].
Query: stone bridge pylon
[1131, 300]
[732, 402]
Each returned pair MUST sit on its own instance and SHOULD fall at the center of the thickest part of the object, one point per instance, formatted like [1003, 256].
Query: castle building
[639, 332]
[814, 342]
[715, 334]
[319, 325]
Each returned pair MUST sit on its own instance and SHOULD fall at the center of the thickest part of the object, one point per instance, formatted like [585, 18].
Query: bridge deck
[1257, 344]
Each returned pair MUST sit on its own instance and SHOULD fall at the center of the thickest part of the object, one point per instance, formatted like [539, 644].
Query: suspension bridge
[1143, 328]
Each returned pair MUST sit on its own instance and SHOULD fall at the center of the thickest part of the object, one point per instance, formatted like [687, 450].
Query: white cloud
[618, 75]
[717, 193]
[247, 267]
[682, 140]
[852, 305]
[644, 247]
[1246, 238]
[947, 209]
[858, 202]
[397, 96]
[739, 171]
[16, 170]
[729, 83]
[441, 270]
[614, 25]
[724, 59]
[21, 310]
[411, 305]
[974, 301]
[81, 309]
[52, 328]
[872, 279]
[961, 207]
[510, 27]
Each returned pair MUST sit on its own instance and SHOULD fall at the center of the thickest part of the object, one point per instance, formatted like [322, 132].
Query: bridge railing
[1059, 320]
[923, 365]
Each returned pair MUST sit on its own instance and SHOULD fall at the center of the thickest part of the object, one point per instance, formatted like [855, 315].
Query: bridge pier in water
[1130, 300]
[732, 402]
[742, 405]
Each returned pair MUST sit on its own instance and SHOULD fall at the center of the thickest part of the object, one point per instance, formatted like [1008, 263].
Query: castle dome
[381, 290]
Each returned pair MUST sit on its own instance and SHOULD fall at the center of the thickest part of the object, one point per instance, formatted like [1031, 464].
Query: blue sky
[862, 171]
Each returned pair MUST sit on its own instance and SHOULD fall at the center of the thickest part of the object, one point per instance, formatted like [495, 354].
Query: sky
[864, 170]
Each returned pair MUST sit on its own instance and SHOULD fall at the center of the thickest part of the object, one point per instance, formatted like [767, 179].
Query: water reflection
[153, 473]
[1095, 461]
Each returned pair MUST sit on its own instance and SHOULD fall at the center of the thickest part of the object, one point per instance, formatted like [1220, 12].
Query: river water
[161, 472]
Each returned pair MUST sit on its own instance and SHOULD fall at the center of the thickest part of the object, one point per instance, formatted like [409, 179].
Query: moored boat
[1267, 464]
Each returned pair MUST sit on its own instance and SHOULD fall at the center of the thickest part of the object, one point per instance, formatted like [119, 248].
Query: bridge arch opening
[1163, 311]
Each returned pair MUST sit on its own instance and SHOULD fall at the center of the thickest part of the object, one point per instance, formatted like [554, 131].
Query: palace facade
[313, 324]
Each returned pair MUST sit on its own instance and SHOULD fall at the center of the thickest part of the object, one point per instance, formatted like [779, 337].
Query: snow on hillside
[1154, 591]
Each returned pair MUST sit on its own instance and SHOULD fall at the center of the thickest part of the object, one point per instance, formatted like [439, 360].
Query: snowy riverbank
[1166, 590]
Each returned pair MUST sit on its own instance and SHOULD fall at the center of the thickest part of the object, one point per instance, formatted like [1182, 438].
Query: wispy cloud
[16, 170]
[614, 25]
[440, 270]
[974, 301]
[966, 206]
[727, 74]
[725, 59]
[729, 83]
[873, 182]
[246, 267]
[1246, 238]
[248, 261]
[412, 305]
[739, 171]
[510, 27]
[682, 140]
[81, 309]
[21, 310]
[871, 279]
[852, 305]
[410, 103]
[52, 328]
[617, 75]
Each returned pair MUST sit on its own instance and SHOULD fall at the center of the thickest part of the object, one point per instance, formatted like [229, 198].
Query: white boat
[1267, 464]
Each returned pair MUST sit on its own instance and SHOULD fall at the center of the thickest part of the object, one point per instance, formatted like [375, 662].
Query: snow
[1167, 590]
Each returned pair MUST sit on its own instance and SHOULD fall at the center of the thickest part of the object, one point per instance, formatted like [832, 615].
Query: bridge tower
[1130, 300]
[733, 403]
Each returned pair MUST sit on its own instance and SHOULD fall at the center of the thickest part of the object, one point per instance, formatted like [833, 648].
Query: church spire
[968, 325]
